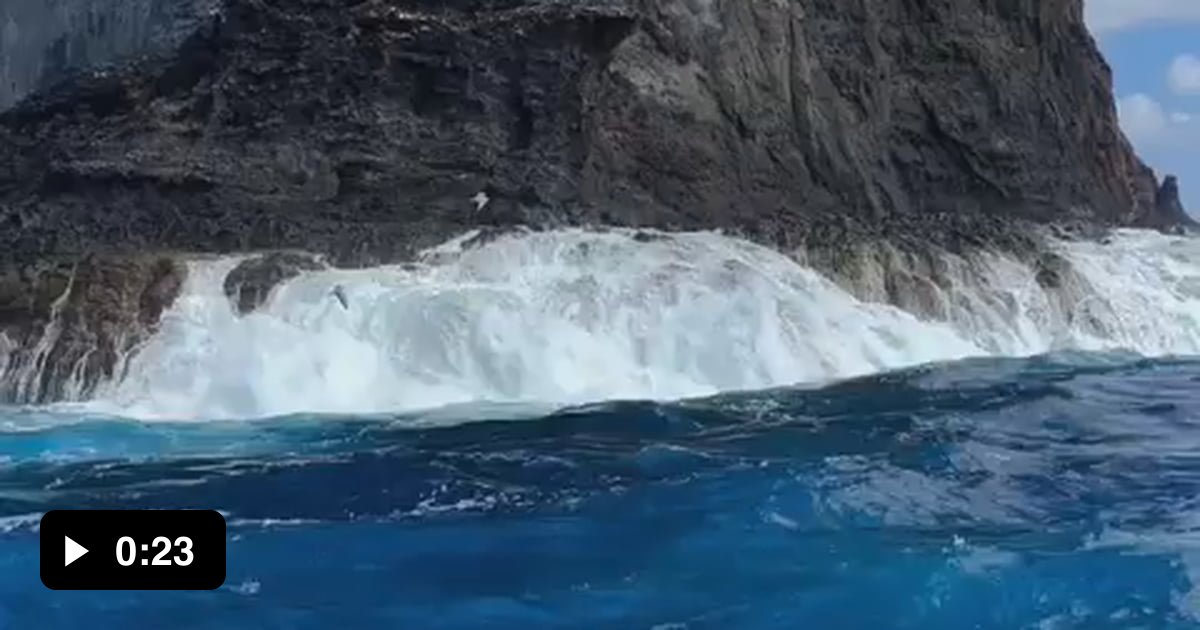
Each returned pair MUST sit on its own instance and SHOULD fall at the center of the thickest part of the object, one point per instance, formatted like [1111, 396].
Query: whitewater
[575, 316]
[711, 434]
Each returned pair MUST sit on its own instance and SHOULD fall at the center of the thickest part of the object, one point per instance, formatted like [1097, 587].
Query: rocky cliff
[42, 42]
[366, 129]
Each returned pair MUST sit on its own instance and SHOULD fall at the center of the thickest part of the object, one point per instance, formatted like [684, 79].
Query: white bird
[481, 199]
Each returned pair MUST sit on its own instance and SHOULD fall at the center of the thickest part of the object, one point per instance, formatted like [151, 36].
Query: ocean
[603, 430]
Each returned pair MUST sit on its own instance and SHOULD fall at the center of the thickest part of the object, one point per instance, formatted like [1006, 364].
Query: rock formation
[250, 283]
[65, 325]
[1169, 213]
[368, 129]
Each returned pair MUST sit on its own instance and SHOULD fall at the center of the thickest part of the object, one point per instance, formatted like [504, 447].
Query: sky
[1154, 49]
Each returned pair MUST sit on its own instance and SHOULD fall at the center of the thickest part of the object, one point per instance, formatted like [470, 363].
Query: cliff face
[43, 41]
[361, 127]
[365, 129]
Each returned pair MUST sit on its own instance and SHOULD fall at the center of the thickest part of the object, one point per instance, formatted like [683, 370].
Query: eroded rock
[250, 284]
[1169, 210]
[69, 326]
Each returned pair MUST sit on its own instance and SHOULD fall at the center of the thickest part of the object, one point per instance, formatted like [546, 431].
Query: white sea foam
[1146, 293]
[566, 317]
[20, 523]
[574, 316]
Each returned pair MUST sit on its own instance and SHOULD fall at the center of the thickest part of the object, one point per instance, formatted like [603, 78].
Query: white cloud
[1148, 123]
[1142, 117]
[1184, 75]
[1105, 16]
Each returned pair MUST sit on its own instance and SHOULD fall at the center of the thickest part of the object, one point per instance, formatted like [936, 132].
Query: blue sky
[1154, 49]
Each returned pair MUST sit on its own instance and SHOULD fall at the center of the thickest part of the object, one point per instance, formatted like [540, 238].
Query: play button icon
[73, 551]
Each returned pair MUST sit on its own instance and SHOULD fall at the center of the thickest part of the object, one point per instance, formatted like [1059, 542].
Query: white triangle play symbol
[74, 551]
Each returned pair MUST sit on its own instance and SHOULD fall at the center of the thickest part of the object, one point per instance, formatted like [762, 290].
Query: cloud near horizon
[1107, 16]
[1154, 49]
[1149, 124]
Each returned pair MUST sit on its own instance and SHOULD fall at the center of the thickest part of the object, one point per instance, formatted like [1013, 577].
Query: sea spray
[568, 316]
[575, 316]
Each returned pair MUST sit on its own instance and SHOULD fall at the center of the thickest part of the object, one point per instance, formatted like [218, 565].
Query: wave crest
[572, 316]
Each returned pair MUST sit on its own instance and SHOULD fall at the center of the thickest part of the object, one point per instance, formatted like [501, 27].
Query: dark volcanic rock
[251, 282]
[368, 129]
[1051, 271]
[43, 41]
[68, 325]
[1168, 209]
[365, 129]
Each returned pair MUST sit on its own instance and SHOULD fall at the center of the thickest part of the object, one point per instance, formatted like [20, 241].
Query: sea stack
[1169, 211]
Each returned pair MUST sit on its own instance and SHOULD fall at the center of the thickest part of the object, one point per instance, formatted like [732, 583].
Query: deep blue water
[1047, 493]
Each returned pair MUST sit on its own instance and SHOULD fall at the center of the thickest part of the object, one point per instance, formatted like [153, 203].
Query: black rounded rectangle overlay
[160, 550]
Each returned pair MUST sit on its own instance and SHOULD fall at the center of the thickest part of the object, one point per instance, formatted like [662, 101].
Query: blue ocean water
[1047, 493]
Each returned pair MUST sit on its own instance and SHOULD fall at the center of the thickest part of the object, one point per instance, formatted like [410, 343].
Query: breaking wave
[573, 316]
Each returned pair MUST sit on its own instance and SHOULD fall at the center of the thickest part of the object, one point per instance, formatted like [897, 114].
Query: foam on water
[574, 316]
[565, 317]
[1146, 293]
